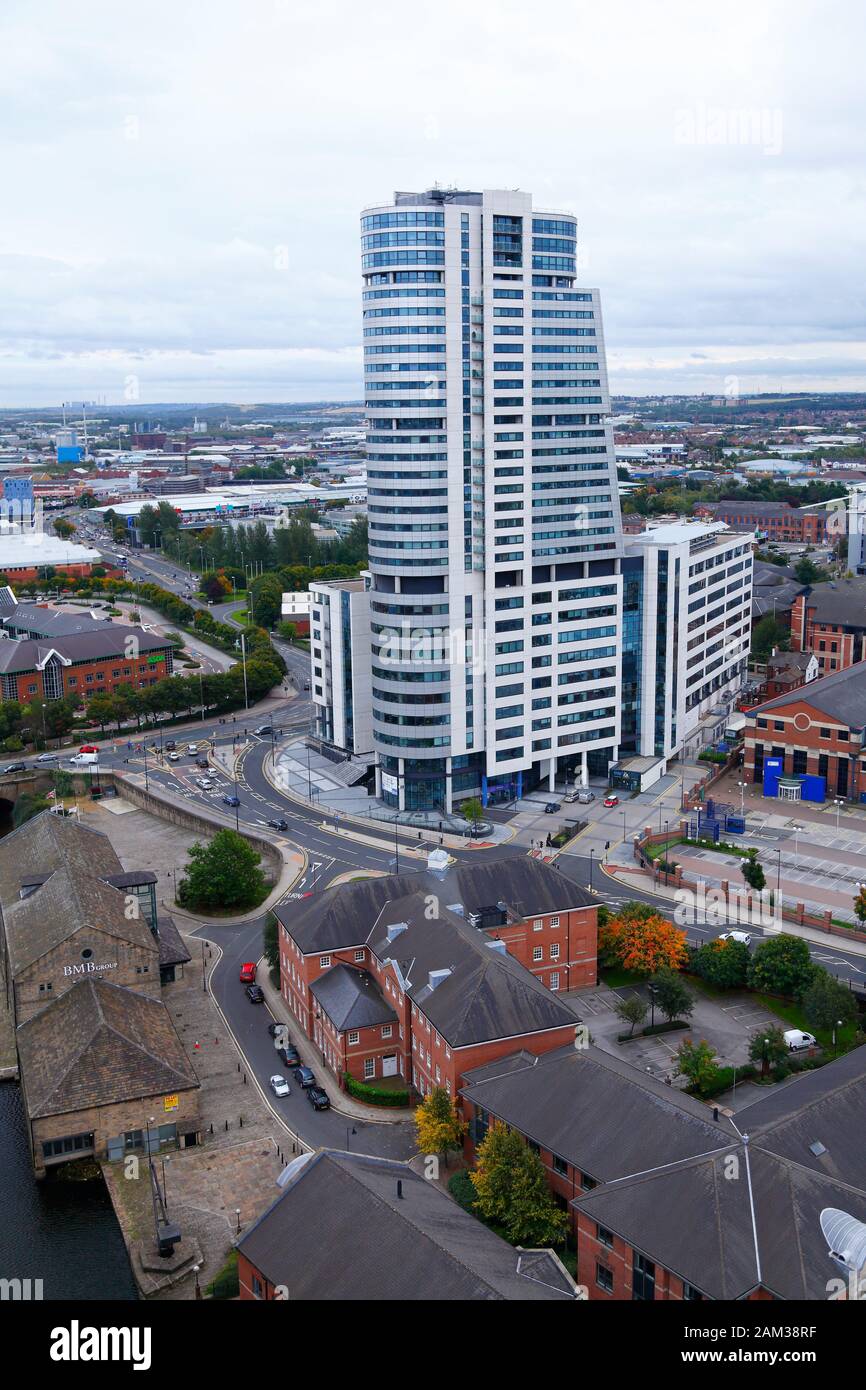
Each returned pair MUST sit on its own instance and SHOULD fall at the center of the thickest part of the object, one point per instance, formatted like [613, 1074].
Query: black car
[551, 808]
[304, 1077]
[263, 729]
[15, 767]
[278, 824]
[289, 1055]
[169, 745]
[318, 1098]
[255, 994]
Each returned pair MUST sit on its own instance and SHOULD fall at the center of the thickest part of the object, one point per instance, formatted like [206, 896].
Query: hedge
[374, 1095]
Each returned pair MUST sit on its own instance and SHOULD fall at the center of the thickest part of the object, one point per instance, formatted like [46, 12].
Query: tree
[223, 874]
[673, 996]
[752, 871]
[768, 1047]
[438, 1125]
[472, 811]
[860, 904]
[63, 528]
[271, 947]
[697, 1063]
[768, 634]
[806, 572]
[827, 1003]
[781, 965]
[723, 964]
[512, 1191]
[632, 1010]
[27, 805]
[643, 943]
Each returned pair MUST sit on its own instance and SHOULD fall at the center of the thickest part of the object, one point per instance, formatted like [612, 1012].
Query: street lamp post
[652, 995]
[839, 804]
[591, 853]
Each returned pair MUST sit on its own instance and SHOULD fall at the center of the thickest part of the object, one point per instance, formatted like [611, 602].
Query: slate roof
[172, 950]
[36, 621]
[352, 998]
[340, 1232]
[68, 901]
[48, 842]
[841, 696]
[117, 1045]
[842, 603]
[343, 916]
[102, 643]
[596, 1111]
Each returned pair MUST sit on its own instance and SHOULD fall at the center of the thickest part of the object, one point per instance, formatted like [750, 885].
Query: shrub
[374, 1095]
[462, 1189]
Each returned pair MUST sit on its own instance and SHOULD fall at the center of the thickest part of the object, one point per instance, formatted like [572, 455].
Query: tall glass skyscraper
[494, 526]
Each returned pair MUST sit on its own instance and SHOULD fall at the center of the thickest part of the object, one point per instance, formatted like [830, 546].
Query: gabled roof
[69, 901]
[841, 696]
[38, 621]
[841, 603]
[352, 999]
[100, 644]
[341, 1232]
[116, 1045]
[48, 842]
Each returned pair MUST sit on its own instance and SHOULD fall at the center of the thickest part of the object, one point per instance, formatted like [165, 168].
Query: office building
[339, 617]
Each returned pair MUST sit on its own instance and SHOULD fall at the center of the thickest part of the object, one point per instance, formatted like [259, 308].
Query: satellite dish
[846, 1237]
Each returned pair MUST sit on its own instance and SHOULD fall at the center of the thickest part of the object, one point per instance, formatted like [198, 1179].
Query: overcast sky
[181, 182]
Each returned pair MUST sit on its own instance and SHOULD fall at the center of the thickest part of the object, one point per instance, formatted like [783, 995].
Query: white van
[797, 1040]
[84, 759]
[581, 794]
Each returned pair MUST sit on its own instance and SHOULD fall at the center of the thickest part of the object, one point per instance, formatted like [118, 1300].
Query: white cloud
[184, 181]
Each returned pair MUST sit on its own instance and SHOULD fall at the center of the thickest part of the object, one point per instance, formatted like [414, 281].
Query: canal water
[64, 1233]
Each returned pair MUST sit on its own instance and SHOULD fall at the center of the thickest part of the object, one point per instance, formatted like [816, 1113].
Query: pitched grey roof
[33, 620]
[172, 950]
[48, 842]
[352, 998]
[841, 696]
[69, 901]
[842, 603]
[99, 644]
[343, 916]
[340, 1232]
[596, 1111]
[117, 1045]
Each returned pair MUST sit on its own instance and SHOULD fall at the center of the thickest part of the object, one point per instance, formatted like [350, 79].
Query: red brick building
[776, 520]
[425, 976]
[666, 1199]
[817, 730]
[787, 671]
[830, 621]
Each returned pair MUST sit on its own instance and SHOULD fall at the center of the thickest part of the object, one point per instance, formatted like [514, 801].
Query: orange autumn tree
[642, 941]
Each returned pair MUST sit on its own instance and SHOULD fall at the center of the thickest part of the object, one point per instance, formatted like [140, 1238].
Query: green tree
[828, 1003]
[673, 995]
[27, 805]
[723, 964]
[768, 634]
[768, 1047]
[632, 1010]
[438, 1126]
[223, 874]
[472, 811]
[752, 871]
[63, 528]
[512, 1190]
[697, 1063]
[807, 572]
[781, 965]
[860, 904]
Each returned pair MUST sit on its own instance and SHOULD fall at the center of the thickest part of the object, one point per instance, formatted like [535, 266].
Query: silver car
[280, 1086]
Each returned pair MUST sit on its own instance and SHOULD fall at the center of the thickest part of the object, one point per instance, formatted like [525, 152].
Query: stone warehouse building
[426, 975]
[85, 958]
[667, 1202]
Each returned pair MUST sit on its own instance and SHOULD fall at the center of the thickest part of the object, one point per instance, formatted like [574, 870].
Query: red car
[611, 801]
[248, 973]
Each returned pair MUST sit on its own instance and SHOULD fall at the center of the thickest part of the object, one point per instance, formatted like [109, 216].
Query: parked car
[551, 808]
[304, 1077]
[743, 937]
[280, 1086]
[278, 824]
[797, 1040]
[273, 1026]
[47, 758]
[611, 801]
[318, 1098]
[248, 973]
[21, 767]
[263, 729]
[255, 994]
[583, 795]
[289, 1055]
[232, 800]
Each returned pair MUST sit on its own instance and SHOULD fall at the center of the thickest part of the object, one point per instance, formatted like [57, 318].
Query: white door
[389, 1065]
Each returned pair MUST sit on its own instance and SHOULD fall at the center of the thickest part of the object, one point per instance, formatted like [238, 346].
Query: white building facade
[686, 634]
[340, 664]
[494, 528]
